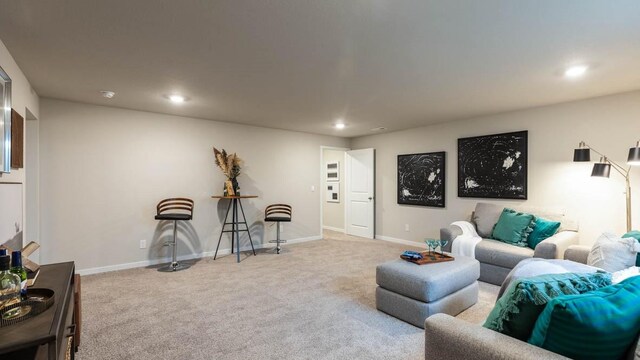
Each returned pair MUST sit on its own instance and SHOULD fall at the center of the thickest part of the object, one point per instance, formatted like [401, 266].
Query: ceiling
[301, 64]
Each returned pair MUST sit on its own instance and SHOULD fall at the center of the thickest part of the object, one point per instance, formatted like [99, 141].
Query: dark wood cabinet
[54, 333]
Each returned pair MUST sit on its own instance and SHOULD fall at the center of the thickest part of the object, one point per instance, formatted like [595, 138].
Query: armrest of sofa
[555, 246]
[449, 233]
[577, 253]
[449, 338]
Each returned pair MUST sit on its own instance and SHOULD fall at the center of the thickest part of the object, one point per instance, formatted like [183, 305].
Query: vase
[236, 186]
[228, 188]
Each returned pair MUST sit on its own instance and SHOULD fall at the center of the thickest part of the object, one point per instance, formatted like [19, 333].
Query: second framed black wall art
[421, 179]
[493, 166]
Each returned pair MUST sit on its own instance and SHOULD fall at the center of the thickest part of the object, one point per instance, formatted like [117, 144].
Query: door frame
[321, 187]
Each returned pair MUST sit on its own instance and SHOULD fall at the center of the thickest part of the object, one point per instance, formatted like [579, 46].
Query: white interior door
[360, 189]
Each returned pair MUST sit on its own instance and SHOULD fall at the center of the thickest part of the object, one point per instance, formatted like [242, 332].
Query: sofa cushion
[516, 312]
[612, 253]
[513, 227]
[485, 218]
[601, 324]
[430, 282]
[501, 254]
[542, 229]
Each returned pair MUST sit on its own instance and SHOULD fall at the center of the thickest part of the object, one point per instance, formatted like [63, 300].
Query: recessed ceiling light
[177, 99]
[339, 125]
[575, 71]
[108, 94]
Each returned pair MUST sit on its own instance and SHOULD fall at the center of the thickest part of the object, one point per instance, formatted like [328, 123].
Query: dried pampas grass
[229, 163]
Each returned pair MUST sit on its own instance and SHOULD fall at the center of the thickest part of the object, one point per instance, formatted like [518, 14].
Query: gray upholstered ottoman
[413, 292]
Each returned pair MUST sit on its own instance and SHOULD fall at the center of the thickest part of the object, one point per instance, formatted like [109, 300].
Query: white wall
[24, 100]
[610, 124]
[32, 184]
[333, 213]
[103, 170]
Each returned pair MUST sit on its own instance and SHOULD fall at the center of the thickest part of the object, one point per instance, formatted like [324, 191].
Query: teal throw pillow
[543, 229]
[513, 227]
[636, 235]
[601, 324]
[516, 312]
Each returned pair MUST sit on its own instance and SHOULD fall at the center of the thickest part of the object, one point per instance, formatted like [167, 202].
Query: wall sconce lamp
[603, 168]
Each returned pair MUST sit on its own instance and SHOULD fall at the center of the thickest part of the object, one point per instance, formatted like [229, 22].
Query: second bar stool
[278, 213]
[174, 209]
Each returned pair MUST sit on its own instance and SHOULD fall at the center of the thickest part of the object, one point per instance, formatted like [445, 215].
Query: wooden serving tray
[437, 258]
[38, 300]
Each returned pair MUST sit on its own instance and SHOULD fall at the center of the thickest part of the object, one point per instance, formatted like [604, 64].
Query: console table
[235, 223]
[54, 334]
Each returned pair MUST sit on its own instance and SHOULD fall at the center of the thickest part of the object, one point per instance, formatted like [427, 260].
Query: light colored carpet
[313, 301]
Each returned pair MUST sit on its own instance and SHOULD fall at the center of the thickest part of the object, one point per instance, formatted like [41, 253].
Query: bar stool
[278, 213]
[174, 209]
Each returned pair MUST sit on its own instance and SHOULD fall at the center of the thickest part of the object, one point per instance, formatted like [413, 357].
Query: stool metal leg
[278, 238]
[175, 265]
[277, 241]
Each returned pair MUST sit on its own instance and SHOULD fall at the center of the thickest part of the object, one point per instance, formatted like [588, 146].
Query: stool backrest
[172, 204]
[279, 209]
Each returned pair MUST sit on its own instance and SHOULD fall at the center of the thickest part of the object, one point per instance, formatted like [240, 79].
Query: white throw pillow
[613, 253]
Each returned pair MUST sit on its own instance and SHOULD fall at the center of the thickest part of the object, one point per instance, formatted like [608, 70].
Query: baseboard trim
[398, 241]
[333, 229]
[151, 262]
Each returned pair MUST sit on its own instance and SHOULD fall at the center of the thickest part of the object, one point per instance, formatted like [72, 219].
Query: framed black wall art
[493, 166]
[421, 179]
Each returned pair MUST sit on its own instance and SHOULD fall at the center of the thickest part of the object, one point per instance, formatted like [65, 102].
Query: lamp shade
[582, 154]
[601, 170]
[634, 156]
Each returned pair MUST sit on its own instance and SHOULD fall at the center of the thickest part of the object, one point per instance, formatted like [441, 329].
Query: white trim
[333, 229]
[399, 241]
[221, 252]
[300, 240]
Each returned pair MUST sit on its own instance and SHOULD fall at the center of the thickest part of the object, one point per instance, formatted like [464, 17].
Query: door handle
[370, 198]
